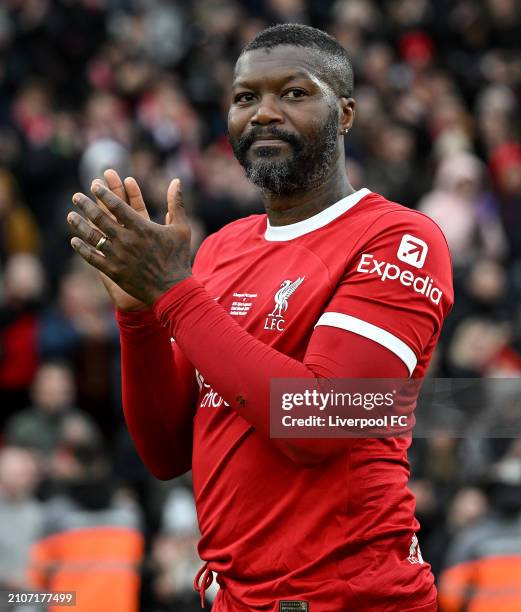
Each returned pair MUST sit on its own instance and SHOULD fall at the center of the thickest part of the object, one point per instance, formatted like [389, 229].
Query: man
[20, 513]
[91, 541]
[483, 562]
[42, 427]
[320, 525]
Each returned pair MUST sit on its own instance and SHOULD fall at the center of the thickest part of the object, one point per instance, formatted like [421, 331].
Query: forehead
[279, 62]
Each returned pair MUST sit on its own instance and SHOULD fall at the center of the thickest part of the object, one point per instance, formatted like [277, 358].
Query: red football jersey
[273, 530]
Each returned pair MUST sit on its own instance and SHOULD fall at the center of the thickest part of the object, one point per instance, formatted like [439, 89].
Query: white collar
[278, 233]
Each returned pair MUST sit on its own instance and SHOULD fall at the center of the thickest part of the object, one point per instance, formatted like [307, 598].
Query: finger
[135, 197]
[100, 219]
[85, 231]
[115, 184]
[90, 255]
[176, 207]
[123, 213]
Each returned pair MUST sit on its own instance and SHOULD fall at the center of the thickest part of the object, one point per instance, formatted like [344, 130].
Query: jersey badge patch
[242, 302]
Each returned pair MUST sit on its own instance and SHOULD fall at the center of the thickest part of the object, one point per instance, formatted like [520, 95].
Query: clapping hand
[141, 258]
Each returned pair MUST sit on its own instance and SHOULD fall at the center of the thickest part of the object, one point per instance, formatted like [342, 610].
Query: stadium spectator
[459, 205]
[483, 562]
[18, 229]
[20, 307]
[42, 427]
[21, 516]
[174, 555]
[91, 541]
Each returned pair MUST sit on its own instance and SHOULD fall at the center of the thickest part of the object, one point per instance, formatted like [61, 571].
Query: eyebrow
[295, 75]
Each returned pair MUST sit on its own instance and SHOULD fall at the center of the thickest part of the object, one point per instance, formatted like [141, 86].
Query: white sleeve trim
[368, 330]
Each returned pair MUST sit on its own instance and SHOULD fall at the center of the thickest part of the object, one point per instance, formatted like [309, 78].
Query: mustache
[245, 142]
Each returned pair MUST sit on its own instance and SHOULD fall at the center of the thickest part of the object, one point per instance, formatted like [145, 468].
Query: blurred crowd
[143, 86]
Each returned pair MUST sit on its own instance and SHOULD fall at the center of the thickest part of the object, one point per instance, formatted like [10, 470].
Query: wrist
[164, 287]
[170, 304]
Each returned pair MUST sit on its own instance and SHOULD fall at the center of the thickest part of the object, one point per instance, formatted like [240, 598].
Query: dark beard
[308, 166]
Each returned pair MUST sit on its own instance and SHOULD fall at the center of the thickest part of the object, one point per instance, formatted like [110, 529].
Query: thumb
[176, 208]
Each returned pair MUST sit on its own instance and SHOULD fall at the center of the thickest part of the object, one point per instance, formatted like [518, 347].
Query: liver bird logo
[287, 289]
[415, 555]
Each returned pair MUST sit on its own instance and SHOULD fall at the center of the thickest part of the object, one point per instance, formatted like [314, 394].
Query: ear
[347, 114]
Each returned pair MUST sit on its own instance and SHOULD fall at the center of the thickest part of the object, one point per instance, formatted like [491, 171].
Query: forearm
[158, 397]
[240, 367]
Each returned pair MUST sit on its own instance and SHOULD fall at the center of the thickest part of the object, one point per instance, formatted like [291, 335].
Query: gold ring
[101, 242]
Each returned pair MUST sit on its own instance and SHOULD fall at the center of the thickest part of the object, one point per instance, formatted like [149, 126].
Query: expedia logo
[423, 285]
[412, 251]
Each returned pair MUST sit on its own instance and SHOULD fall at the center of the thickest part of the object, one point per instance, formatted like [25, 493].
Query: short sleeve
[397, 287]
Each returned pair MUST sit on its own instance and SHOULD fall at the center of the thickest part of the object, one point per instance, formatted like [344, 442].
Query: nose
[267, 112]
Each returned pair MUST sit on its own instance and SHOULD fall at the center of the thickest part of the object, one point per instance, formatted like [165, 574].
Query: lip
[268, 142]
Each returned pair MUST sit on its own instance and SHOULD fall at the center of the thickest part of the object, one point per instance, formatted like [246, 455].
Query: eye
[244, 96]
[295, 92]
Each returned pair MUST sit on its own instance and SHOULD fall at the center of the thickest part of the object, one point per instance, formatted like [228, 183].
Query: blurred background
[143, 86]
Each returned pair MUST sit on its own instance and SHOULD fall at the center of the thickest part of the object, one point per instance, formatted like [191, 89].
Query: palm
[121, 299]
